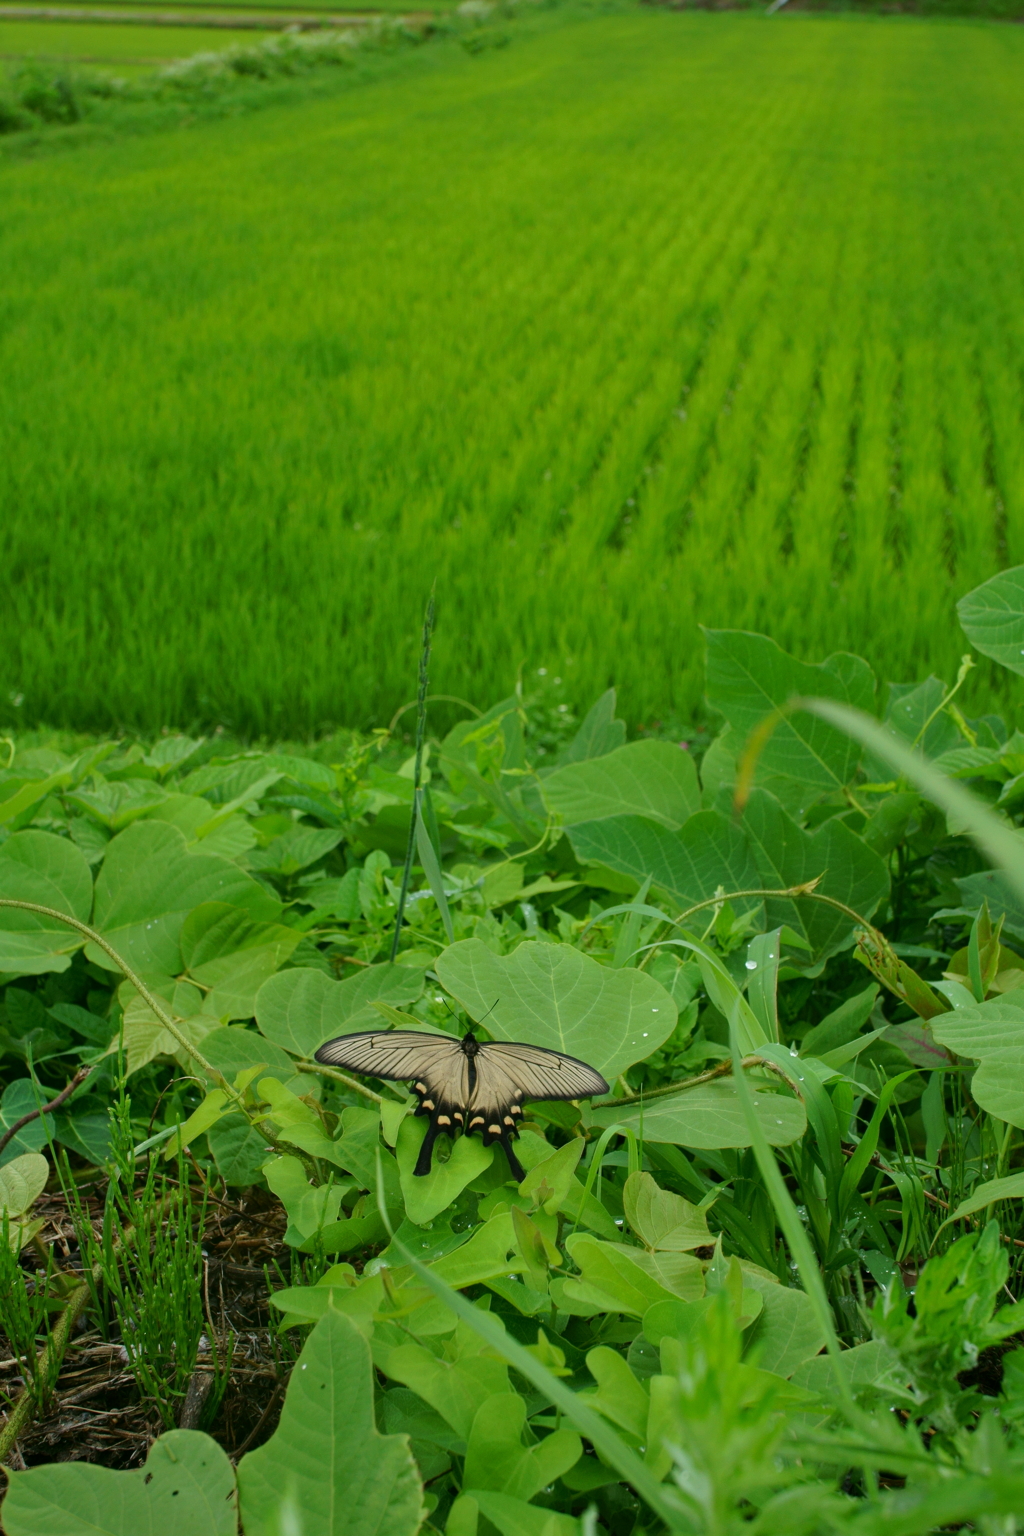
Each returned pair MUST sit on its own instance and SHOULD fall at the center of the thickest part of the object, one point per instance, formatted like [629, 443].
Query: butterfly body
[465, 1085]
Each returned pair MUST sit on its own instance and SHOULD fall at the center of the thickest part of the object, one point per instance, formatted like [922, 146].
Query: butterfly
[466, 1085]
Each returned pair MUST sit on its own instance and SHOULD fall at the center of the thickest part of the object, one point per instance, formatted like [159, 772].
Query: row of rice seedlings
[659, 344]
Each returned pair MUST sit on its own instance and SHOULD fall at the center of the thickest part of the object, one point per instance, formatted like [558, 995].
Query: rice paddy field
[644, 321]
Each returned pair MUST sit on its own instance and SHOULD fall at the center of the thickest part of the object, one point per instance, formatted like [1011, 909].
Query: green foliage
[326, 1465]
[187, 1485]
[632, 1333]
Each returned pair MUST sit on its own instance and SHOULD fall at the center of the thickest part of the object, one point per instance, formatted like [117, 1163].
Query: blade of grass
[1002, 844]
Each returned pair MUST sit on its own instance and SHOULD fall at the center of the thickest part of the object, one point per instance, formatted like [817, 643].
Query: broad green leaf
[358, 1143]
[786, 855]
[993, 1034]
[456, 1389]
[609, 1278]
[981, 1196]
[232, 1048]
[116, 805]
[654, 779]
[599, 733]
[865, 1365]
[690, 865]
[309, 1207]
[668, 1320]
[915, 712]
[171, 752]
[992, 617]
[485, 1254]
[87, 1134]
[312, 1302]
[513, 1517]
[709, 1116]
[30, 793]
[22, 1180]
[678, 1273]
[296, 849]
[19, 1098]
[52, 872]
[619, 1395]
[1004, 898]
[300, 1008]
[788, 1330]
[749, 677]
[186, 1486]
[554, 996]
[497, 1459]
[325, 1467]
[430, 1194]
[304, 770]
[145, 1040]
[238, 1150]
[297, 1123]
[550, 1180]
[148, 885]
[663, 1220]
[231, 956]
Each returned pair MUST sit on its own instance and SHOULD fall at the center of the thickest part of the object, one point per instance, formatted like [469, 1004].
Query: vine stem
[794, 892]
[148, 998]
[45, 1109]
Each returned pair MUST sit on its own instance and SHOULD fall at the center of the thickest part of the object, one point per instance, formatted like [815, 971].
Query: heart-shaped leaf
[430, 1194]
[845, 866]
[22, 1180]
[187, 1485]
[301, 1008]
[991, 1033]
[326, 1468]
[993, 618]
[52, 872]
[661, 1219]
[148, 885]
[551, 995]
[690, 865]
[749, 677]
[654, 779]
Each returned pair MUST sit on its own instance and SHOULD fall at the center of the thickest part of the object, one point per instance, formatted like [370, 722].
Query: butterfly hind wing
[506, 1074]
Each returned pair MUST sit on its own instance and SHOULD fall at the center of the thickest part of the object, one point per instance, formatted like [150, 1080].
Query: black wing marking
[506, 1074]
[438, 1068]
[481, 1092]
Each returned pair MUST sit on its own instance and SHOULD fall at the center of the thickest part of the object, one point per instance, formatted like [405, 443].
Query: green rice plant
[761, 372]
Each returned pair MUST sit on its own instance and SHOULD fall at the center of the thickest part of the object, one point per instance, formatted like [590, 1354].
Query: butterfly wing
[436, 1066]
[539, 1073]
[507, 1073]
